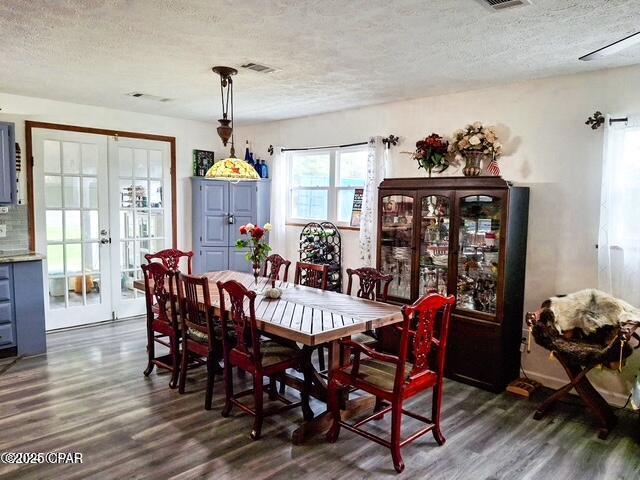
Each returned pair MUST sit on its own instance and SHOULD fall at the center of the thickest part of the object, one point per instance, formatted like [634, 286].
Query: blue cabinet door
[237, 262]
[215, 213]
[7, 163]
[214, 259]
[242, 205]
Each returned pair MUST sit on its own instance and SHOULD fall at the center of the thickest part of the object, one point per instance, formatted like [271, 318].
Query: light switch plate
[4, 209]
[3, 231]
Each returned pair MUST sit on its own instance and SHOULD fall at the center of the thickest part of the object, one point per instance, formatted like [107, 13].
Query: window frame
[332, 189]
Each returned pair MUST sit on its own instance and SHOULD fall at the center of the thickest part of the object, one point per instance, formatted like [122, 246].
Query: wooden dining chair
[394, 379]
[171, 259]
[201, 335]
[273, 265]
[312, 275]
[162, 319]
[258, 357]
[372, 285]
[316, 276]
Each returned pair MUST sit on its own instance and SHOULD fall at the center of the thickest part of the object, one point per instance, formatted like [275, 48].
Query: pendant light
[230, 168]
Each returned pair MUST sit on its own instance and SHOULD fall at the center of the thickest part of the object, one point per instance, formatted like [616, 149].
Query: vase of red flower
[257, 245]
[431, 153]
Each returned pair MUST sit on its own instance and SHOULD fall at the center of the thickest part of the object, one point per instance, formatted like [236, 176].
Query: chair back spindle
[236, 299]
[372, 284]
[312, 275]
[273, 265]
[158, 283]
[192, 293]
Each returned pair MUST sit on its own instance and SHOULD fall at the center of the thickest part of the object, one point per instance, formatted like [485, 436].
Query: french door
[101, 204]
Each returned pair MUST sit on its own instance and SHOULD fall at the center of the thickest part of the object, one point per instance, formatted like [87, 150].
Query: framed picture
[202, 161]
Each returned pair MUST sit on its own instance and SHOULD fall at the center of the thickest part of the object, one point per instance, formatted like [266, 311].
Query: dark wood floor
[89, 395]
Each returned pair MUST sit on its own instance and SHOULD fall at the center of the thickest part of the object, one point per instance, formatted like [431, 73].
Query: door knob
[232, 220]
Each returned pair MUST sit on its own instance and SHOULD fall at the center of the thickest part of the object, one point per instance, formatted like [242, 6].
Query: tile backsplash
[17, 222]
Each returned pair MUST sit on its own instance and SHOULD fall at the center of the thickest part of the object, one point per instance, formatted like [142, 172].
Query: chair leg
[283, 385]
[183, 367]
[258, 399]
[228, 388]
[396, 427]
[435, 413]
[307, 371]
[334, 409]
[273, 388]
[151, 352]
[321, 358]
[175, 360]
[210, 379]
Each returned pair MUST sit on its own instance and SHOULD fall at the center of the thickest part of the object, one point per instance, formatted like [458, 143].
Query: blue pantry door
[215, 206]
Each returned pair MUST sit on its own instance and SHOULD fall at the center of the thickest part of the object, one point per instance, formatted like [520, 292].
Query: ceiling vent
[504, 4]
[146, 96]
[256, 67]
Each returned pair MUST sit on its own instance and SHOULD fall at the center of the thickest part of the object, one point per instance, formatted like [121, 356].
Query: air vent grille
[504, 4]
[256, 67]
[146, 96]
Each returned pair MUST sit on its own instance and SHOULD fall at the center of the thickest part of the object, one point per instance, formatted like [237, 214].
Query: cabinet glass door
[435, 216]
[396, 242]
[479, 253]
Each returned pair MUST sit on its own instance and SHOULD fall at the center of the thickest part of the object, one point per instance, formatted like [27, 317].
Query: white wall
[548, 147]
[189, 135]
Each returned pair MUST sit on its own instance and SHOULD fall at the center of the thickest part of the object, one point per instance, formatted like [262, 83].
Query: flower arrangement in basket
[473, 144]
[256, 243]
[431, 153]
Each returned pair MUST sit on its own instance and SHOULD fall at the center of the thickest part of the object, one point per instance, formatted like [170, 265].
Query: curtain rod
[323, 148]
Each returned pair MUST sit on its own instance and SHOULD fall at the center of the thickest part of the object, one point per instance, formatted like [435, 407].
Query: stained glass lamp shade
[232, 169]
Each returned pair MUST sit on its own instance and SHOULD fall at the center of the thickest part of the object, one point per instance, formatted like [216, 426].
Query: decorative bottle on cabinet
[219, 208]
[464, 236]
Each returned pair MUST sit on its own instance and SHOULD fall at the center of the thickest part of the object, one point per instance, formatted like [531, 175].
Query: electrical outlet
[3, 231]
[4, 209]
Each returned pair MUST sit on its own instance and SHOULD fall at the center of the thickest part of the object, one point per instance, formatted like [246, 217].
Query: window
[323, 182]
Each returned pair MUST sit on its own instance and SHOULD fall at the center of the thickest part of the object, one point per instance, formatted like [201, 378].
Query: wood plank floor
[88, 395]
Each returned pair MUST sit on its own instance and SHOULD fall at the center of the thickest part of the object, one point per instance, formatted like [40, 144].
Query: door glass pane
[310, 170]
[396, 241]
[70, 158]
[126, 285]
[53, 192]
[156, 225]
[127, 255]
[89, 192]
[125, 161]
[141, 196]
[155, 164]
[71, 192]
[126, 224]
[478, 258]
[55, 260]
[92, 257]
[90, 225]
[72, 230]
[309, 204]
[126, 193]
[57, 287]
[54, 225]
[140, 163]
[89, 159]
[73, 258]
[155, 194]
[76, 290]
[142, 224]
[93, 289]
[51, 156]
[434, 244]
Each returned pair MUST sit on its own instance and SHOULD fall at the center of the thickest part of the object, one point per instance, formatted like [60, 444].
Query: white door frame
[34, 235]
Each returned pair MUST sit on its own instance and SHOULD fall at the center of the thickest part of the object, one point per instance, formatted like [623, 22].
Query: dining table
[310, 317]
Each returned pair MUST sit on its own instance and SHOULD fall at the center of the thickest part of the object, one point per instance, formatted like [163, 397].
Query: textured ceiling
[331, 54]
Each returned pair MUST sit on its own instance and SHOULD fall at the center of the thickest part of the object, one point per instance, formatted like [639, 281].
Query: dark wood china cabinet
[466, 236]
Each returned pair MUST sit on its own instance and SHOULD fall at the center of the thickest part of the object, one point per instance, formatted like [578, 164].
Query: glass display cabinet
[464, 236]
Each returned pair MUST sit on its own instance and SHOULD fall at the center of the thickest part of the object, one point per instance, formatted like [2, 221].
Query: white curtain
[369, 214]
[619, 235]
[279, 191]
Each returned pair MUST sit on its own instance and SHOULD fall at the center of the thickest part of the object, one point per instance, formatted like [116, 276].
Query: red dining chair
[394, 379]
[162, 319]
[277, 262]
[316, 276]
[260, 358]
[372, 285]
[312, 275]
[201, 337]
[171, 258]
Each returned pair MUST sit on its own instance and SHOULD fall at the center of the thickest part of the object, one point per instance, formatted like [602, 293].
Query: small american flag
[493, 167]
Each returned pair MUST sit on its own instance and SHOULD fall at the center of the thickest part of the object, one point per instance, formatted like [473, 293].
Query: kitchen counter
[14, 256]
